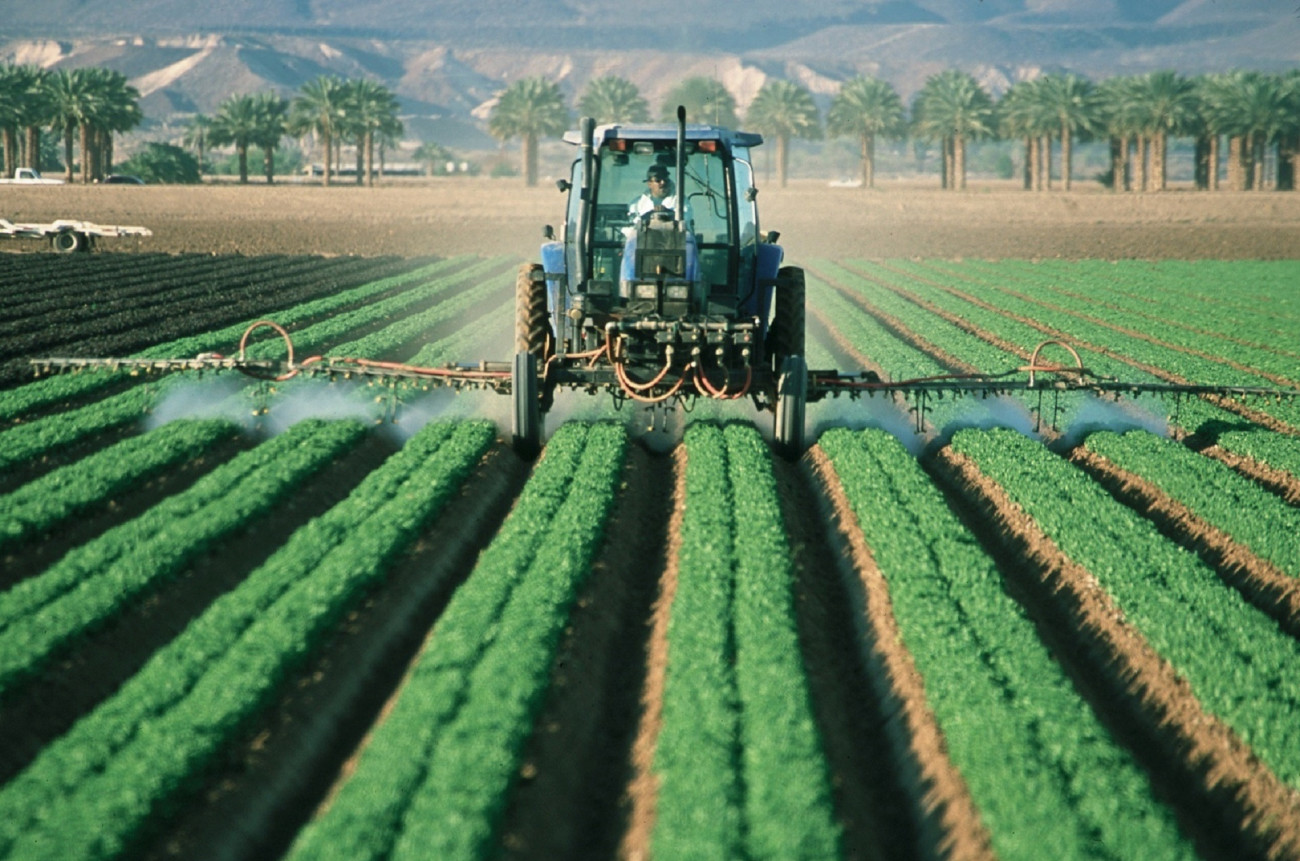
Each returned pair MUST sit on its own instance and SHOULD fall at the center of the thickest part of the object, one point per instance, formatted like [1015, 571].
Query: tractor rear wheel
[532, 321]
[791, 404]
[786, 337]
[526, 426]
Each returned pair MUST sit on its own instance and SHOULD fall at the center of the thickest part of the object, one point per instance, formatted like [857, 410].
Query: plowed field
[323, 619]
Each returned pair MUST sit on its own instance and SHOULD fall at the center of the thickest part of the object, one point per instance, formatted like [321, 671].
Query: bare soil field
[487, 216]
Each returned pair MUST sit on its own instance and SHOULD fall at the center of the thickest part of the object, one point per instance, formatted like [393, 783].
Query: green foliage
[434, 778]
[612, 99]
[91, 792]
[1046, 776]
[98, 580]
[1188, 615]
[706, 101]
[739, 760]
[165, 163]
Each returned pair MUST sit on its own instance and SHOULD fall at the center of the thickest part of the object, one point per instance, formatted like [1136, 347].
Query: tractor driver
[659, 194]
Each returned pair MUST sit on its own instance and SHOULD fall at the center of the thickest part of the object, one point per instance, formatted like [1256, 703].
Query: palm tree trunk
[1046, 162]
[1067, 157]
[1212, 172]
[242, 150]
[868, 146]
[1257, 162]
[329, 154]
[530, 159]
[959, 160]
[104, 146]
[268, 164]
[33, 147]
[1288, 160]
[948, 178]
[782, 159]
[1035, 177]
[1027, 171]
[1236, 173]
[10, 150]
[1117, 163]
[67, 153]
[1143, 146]
[85, 153]
[370, 158]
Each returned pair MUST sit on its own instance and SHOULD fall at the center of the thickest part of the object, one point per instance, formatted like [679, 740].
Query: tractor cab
[696, 255]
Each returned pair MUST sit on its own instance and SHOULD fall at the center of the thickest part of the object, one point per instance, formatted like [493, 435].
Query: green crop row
[1239, 298]
[46, 434]
[39, 505]
[1193, 414]
[64, 387]
[1253, 517]
[434, 777]
[1044, 773]
[1240, 665]
[739, 761]
[90, 792]
[97, 580]
[1185, 365]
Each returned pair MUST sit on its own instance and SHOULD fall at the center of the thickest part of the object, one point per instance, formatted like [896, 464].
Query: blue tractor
[656, 301]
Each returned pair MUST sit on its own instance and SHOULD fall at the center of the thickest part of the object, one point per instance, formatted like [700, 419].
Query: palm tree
[1164, 103]
[117, 109]
[271, 119]
[1288, 165]
[612, 99]
[72, 100]
[431, 155]
[196, 135]
[236, 123]
[372, 110]
[866, 108]
[705, 100]
[1118, 115]
[36, 115]
[16, 85]
[529, 108]
[784, 110]
[1022, 114]
[953, 108]
[1072, 103]
[319, 108]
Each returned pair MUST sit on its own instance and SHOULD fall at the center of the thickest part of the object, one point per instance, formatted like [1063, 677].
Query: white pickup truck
[30, 176]
[67, 236]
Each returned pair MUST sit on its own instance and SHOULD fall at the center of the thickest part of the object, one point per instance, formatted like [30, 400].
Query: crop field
[331, 619]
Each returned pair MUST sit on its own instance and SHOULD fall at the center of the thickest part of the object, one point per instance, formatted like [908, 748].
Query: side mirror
[563, 184]
[772, 236]
[751, 194]
[548, 233]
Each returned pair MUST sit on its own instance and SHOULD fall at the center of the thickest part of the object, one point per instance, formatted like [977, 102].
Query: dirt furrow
[1227, 799]
[579, 795]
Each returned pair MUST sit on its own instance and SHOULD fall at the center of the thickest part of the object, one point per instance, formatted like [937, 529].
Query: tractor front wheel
[532, 321]
[791, 404]
[526, 426]
[786, 334]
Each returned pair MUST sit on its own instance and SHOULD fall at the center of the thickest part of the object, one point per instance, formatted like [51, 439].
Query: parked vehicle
[30, 176]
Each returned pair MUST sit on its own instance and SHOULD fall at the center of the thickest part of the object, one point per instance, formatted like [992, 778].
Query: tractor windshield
[622, 184]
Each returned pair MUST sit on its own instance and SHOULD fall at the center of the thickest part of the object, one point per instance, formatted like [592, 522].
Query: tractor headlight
[647, 291]
[679, 292]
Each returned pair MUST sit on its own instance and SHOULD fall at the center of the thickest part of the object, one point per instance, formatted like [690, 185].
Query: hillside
[447, 61]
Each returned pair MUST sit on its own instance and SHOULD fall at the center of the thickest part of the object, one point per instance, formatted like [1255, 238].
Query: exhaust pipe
[588, 129]
[679, 189]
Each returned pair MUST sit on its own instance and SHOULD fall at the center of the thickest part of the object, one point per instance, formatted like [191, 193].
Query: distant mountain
[446, 59]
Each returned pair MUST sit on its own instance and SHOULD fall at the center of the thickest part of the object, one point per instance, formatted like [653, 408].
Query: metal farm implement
[664, 295]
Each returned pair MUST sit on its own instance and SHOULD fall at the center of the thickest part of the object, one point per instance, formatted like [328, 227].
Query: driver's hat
[656, 171]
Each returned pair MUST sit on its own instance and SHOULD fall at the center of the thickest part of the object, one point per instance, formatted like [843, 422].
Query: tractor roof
[667, 132]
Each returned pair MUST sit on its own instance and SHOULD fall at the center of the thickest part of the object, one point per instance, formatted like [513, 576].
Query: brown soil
[1229, 801]
[485, 216]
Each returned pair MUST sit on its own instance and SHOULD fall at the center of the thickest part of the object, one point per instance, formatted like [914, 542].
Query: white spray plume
[213, 397]
[998, 411]
[882, 412]
[1099, 413]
